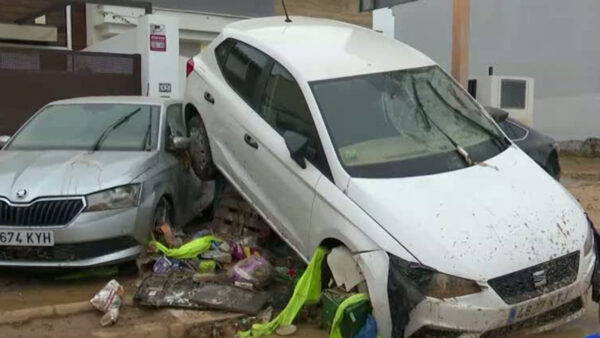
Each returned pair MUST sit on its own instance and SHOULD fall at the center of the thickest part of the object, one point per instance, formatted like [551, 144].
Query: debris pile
[231, 263]
[235, 263]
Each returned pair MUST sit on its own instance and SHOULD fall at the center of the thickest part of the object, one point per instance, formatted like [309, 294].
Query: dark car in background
[541, 148]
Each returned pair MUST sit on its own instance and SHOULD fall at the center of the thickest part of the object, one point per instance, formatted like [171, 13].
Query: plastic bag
[108, 300]
[254, 269]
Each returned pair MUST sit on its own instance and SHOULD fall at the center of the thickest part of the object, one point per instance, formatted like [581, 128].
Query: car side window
[222, 51]
[242, 68]
[175, 126]
[284, 108]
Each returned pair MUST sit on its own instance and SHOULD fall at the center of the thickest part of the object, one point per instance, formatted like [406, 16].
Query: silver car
[85, 181]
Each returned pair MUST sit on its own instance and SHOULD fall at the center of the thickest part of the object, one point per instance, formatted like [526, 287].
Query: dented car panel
[471, 228]
[418, 216]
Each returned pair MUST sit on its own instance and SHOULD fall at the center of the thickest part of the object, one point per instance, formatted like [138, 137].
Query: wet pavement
[23, 289]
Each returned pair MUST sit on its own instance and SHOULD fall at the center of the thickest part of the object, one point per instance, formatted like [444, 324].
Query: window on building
[513, 94]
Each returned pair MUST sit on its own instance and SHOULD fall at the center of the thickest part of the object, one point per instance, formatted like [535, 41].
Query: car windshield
[405, 123]
[117, 127]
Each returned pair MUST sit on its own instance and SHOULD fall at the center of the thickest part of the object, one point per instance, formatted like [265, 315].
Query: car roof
[320, 49]
[119, 99]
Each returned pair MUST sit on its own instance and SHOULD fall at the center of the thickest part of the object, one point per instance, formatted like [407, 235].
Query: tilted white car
[341, 136]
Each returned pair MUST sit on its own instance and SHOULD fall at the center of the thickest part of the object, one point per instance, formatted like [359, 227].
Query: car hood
[479, 222]
[55, 173]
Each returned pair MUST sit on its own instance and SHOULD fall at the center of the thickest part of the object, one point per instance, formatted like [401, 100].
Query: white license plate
[26, 238]
[537, 307]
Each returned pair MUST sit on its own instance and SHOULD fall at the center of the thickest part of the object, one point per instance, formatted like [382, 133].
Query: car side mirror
[4, 140]
[179, 143]
[497, 114]
[296, 144]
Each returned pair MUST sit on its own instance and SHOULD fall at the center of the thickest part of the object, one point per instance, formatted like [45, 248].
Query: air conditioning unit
[513, 94]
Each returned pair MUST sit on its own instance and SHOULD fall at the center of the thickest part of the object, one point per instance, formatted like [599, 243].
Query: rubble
[234, 263]
[108, 300]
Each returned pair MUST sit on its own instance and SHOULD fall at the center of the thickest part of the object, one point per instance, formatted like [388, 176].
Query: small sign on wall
[158, 39]
[164, 87]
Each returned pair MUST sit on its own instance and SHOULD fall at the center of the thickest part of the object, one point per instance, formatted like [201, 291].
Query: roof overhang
[34, 33]
[370, 5]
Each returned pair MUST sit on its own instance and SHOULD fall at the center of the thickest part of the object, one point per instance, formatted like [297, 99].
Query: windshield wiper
[460, 150]
[112, 127]
[501, 140]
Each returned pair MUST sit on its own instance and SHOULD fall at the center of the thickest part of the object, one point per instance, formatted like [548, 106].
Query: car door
[284, 191]
[180, 176]
[231, 105]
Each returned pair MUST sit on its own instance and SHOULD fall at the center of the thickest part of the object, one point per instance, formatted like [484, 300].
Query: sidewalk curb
[59, 310]
[177, 329]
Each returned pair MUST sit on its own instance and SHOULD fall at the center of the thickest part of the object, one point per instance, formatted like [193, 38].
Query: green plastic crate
[354, 316]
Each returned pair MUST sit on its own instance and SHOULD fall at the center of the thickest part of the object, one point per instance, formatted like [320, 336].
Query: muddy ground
[19, 289]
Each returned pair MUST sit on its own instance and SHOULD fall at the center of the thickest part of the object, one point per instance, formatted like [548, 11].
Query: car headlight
[433, 283]
[446, 286]
[589, 239]
[116, 198]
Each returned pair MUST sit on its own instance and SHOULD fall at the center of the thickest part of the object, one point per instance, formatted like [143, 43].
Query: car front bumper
[91, 239]
[485, 314]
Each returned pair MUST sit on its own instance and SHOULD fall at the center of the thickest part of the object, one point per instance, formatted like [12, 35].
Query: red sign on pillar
[158, 43]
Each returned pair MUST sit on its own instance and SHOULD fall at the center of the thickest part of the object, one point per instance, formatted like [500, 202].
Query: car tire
[201, 156]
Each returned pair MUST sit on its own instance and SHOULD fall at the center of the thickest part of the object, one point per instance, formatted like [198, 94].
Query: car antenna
[287, 17]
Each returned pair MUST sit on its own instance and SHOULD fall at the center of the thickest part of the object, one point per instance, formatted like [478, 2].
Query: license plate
[536, 307]
[26, 238]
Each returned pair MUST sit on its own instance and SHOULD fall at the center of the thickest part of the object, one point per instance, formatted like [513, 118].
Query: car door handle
[250, 141]
[208, 97]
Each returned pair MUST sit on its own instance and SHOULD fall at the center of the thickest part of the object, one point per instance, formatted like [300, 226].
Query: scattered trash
[308, 290]
[219, 256]
[286, 330]
[244, 285]
[189, 250]
[369, 330]
[108, 300]
[205, 277]
[289, 275]
[165, 232]
[162, 265]
[344, 268]
[266, 315]
[207, 266]
[254, 269]
[202, 233]
[229, 298]
[172, 289]
[350, 316]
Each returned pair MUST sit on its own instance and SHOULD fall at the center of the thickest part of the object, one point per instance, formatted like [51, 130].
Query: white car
[341, 136]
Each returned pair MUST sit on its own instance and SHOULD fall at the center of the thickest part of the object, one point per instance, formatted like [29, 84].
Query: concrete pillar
[461, 36]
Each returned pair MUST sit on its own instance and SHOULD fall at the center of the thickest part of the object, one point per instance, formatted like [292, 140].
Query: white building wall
[553, 41]
[125, 30]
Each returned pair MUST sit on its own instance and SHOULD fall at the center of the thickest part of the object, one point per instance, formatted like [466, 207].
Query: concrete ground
[21, 290]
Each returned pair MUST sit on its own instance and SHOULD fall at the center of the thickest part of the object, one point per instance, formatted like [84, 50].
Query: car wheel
[202, 162]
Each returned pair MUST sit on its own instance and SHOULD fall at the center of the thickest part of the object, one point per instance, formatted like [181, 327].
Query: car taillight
[189, 67]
